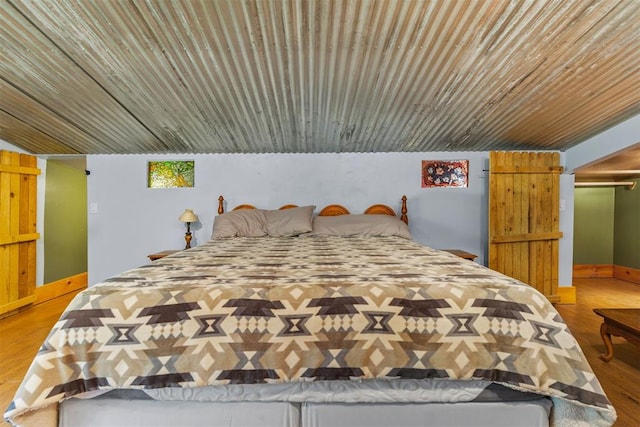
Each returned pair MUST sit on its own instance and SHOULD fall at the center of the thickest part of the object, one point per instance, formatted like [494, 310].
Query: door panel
[524, 192]
[18, 174]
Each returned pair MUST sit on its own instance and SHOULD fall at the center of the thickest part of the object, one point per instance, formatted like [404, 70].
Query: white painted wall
[133, 221]
[615, 139]
[565, 246]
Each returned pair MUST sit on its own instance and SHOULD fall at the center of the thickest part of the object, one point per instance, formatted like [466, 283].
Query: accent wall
[627, 227]
[593, 224]
[65, 221]
[607, 226]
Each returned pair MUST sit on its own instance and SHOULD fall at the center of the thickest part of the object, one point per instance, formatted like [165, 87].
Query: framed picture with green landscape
[170, 174]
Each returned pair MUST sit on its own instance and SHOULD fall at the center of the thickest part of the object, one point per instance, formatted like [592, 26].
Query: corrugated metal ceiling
[314, 76]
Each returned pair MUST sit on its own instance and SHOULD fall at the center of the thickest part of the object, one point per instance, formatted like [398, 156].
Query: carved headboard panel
[332, 210]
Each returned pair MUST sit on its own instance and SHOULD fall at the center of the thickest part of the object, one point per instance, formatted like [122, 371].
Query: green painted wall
[593, 225]
[65, 221]
[627, 227]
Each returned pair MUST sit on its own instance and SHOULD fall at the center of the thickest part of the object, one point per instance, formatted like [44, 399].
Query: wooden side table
[620, 322]
[161, 254]
[462, 254]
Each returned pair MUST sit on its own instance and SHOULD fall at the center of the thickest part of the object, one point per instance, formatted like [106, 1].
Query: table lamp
[188, 216]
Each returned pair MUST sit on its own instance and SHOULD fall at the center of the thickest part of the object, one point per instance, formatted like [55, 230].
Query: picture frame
[171, 174]
[445, 173]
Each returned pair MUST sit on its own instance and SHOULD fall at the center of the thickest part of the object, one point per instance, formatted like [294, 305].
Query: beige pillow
[240, 223]
[360, 225]
[289, 222]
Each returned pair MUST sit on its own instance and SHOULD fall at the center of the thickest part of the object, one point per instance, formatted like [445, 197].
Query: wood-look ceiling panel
[13, 129]
[43, 124]
[578, 71]
[49, 83]
[232, 76]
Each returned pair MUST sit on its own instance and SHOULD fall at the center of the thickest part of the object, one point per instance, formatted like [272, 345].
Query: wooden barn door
[524, 205]
[17, 230]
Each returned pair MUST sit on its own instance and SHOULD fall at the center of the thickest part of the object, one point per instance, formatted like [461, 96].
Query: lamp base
[187, 238]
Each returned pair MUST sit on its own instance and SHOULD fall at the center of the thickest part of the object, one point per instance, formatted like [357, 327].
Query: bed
[286, 317]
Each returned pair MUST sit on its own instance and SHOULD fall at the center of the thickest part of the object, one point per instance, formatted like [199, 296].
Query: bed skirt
[130, 413]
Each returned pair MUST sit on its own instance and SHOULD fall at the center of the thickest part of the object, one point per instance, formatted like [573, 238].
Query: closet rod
[630, 184]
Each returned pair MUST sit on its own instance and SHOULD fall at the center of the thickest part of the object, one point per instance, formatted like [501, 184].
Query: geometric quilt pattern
[275, 310]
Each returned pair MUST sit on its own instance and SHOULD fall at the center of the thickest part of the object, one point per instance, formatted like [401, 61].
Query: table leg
[606, 338]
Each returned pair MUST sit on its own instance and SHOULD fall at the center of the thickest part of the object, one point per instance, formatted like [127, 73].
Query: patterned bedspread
[256, 310]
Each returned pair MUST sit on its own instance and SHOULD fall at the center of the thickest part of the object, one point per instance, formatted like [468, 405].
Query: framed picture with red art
[445, 173]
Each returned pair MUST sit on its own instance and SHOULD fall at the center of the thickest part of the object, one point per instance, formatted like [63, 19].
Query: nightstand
[462, 254]
[161, 254]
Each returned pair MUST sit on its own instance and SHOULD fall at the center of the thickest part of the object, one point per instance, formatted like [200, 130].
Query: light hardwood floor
[620, 377]
[22, 334]
[20, 338]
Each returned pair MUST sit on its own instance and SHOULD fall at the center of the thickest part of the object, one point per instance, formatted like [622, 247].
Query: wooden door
[17, 230]
[524, 205]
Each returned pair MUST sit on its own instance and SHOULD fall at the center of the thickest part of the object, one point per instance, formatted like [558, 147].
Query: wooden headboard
[331, 210]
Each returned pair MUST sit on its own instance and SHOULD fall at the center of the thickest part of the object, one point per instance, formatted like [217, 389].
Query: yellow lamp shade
[188, 216]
